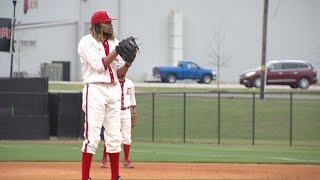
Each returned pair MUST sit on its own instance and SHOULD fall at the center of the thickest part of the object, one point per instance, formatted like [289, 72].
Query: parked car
[184, 70]
[295, 73]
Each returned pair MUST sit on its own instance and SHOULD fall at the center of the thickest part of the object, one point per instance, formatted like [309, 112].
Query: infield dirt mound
[72, 170]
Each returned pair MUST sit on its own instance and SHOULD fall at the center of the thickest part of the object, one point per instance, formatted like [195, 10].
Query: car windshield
[192, 66]
[275, 66]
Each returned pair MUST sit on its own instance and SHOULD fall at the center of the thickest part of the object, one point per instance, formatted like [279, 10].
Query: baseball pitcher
[103, 59]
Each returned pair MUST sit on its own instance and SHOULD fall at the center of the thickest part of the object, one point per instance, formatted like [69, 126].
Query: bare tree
[217, 57]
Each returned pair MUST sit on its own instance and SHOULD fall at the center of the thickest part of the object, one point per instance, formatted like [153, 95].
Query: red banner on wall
[5, 34]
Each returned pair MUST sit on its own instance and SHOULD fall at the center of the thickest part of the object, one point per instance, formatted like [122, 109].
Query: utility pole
[12, 35]
[264, 48]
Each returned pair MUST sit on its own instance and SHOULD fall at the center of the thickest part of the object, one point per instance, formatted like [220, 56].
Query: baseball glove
[127, 49]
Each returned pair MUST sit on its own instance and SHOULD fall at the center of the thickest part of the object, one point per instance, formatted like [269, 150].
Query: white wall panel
[53, 43]
[294, 28]
[42, 10]
[294, 31]
[5, 60]
[239, 21]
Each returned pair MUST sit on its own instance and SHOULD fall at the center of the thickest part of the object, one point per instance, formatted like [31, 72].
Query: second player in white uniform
[128, 117]
[128, 120]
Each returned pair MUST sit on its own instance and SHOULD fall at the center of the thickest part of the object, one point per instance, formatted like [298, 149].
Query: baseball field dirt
[146, 170]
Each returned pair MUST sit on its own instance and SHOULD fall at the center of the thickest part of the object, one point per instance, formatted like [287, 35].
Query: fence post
[253, 116]
[290, 119]
[184, 117]
[218, 117]
[153, 117]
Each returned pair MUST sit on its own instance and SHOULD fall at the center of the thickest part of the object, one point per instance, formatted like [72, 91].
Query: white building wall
[238, 21]
[53, 26]
[43, 11]
[55, 42]
[294, 28]
[294, 31]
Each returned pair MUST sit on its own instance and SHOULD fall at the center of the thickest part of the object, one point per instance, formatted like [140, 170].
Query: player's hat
[100, 16]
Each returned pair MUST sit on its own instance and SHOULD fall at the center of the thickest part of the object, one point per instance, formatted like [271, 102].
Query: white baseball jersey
[128, 99]
[91, 54]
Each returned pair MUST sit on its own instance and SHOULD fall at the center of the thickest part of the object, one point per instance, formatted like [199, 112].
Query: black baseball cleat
[118, 178]
[89, 179]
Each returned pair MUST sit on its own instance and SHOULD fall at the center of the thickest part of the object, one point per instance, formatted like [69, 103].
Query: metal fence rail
[229, 118]
[194, 117]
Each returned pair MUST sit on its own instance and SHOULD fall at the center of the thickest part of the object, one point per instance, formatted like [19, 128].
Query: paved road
[192, 84]
[238, 95]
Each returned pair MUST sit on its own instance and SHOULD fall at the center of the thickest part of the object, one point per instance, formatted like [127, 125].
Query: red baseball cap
[100, 16]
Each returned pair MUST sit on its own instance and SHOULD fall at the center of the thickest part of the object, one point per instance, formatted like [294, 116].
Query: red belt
[124, 108]
[100, 83]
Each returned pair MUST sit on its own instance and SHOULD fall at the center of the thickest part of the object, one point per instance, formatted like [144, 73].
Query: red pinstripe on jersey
[87, 123]
[106, 49]
[122, 96]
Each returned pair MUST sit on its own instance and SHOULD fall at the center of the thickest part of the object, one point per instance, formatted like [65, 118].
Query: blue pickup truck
[184, 70]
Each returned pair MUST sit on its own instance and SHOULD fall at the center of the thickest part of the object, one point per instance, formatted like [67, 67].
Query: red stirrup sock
[86, 163]
[126, 150]
[114, 163]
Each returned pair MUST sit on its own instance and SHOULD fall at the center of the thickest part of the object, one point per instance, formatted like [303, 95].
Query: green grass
[65, 87]
[272, 120]
[162, 152]
[159, 137]
[200, 125]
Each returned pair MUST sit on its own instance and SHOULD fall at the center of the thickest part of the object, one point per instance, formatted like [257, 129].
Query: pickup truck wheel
[206, 79]
[171, 78]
